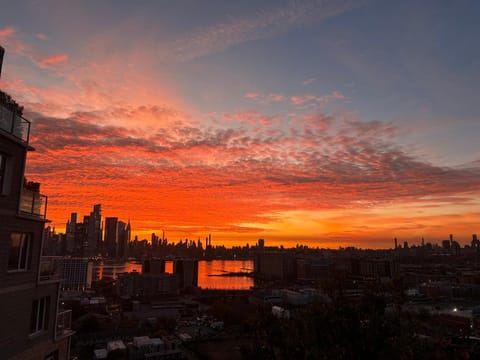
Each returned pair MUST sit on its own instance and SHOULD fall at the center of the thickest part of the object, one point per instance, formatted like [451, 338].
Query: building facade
[31, 325]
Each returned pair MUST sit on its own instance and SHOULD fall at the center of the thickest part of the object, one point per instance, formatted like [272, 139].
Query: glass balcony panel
[33, 203]
[50, 268]
[14, 124]
[64, 324]
[6, 118]
[21, 128]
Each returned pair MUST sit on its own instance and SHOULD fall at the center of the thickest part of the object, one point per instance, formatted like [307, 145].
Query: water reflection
[112, 269]
[219, 267]
[205, 268]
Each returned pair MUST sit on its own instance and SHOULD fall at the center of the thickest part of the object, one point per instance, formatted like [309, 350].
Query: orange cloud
[242, 183]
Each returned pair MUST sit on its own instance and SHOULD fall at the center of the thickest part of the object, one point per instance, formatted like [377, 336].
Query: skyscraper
[111, 236]
[124, 233]
[94, 233]
[70, 233]
[186, 271]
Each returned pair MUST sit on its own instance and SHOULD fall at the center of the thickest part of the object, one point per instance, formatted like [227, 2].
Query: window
[39, 316]
[18, 256]
[52, 356]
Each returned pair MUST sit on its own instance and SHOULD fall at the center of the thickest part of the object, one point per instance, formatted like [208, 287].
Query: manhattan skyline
[326, 123]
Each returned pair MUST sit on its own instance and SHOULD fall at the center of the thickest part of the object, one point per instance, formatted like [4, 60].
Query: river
[205, 271]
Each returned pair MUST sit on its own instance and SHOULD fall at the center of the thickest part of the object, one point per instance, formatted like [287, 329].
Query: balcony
[63, 327]
[14, 124]
[33, 203]
[50, 268]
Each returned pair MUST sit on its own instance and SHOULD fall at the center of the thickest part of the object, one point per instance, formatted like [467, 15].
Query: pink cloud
[52, 60]
[41, 36]
[323, 99]
[276, 97]
[295, 99]
[251, 95]
[7, 32]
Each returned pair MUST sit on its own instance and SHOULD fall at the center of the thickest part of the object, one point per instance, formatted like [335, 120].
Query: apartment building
[31, 323]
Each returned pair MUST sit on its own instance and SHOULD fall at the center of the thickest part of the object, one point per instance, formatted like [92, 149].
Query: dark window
[3, 161]
[39, 315]
[19, 253]
[52, 356]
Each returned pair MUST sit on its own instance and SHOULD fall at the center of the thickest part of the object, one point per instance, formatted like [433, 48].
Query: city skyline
[325, 123]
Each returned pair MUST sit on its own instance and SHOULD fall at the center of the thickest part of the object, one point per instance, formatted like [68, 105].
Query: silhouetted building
[153, 266]
[146, 286]
[111, 236]
[312, 268]
[53, 243]
[374, 268]
[94, 232]
[475, 243]
[446, 244]
[81, 239]
[154, 240]
[275, 265]
[124, 234]
[186, 271]
[70, 230]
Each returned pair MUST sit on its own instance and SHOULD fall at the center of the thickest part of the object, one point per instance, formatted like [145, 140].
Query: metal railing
[63, 326]
[14, 124]
[33, 203]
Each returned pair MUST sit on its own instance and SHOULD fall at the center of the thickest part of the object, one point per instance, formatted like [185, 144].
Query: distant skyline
[329, 123]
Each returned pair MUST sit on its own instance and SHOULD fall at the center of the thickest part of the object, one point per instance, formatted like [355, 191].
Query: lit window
[18, 255]
[39, 315]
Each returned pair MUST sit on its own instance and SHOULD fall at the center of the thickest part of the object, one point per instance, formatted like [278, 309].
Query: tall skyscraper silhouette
[111, 236]
[94, 233]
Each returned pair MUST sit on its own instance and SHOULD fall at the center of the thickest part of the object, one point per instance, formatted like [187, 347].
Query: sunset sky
[325, 123]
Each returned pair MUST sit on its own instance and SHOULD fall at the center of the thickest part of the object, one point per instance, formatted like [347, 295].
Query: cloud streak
[263, 25]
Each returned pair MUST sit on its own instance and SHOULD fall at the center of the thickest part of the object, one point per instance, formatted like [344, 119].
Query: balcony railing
[63, 325]
[33, 203]
[14, 124]
[50, 268]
